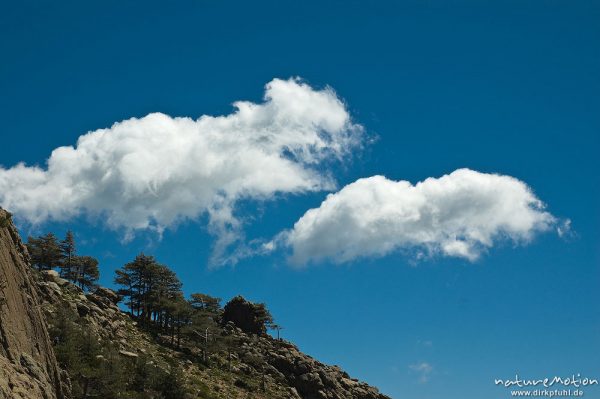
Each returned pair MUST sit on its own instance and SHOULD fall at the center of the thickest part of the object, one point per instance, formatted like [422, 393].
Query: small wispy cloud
[423, 370]
[425, 344]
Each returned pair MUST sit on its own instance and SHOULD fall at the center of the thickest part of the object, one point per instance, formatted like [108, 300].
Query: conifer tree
[153, 293]
[86, 271]
[67, 266]
[136, 278]
[125, 280]
[34, 247]
[181, 312]
[252, 318]
[204, 302]
[45, 252]
[165, 288]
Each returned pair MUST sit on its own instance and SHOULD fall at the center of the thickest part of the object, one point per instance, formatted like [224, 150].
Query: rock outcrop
[283, 363]
[253, 365]
[257, 364]
[28, 368]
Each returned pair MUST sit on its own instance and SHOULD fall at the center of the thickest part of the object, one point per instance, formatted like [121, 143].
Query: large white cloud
[152, 172]
[459, 215]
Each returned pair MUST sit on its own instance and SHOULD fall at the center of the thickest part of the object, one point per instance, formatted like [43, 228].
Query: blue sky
[498, 87]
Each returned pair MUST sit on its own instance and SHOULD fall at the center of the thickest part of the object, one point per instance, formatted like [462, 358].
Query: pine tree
[165, 287]
[86, 271]
[153, 291]
[34, 247]
[201, 329]
[205, 302]
[252, 318]
[125, 280]
[68, 249]
[45, 252]
[136, 278]
[181, 313]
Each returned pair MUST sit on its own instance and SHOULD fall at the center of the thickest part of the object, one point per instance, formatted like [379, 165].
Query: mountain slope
[105, 352]
[252, 366]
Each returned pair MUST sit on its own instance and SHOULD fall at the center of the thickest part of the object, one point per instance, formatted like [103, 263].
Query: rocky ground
[259, 366]
[253, 366]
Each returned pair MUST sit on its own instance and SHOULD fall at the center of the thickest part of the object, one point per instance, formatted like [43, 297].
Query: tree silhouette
[68, 250]
[86, 271]
[45, 252]
[252, 318]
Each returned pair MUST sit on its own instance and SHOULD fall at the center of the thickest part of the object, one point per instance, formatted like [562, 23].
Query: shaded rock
[33, 368]
[310, 384]
[82, 309]
[100, 301]
[109, 294]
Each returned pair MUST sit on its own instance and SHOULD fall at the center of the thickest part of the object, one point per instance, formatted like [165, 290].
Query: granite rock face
[28, 368]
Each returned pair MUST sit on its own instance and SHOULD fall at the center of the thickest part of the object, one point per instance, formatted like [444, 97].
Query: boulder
[109, 294]
[50, 275]
[310, 385]
[53, 276]
[82, 309]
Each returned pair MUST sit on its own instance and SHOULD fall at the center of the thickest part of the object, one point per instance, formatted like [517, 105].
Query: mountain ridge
[119, 348]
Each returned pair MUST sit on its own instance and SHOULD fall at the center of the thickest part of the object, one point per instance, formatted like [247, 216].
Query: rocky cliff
[37, 308]
[28, 368]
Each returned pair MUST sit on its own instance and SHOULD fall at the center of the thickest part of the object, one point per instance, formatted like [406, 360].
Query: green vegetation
[198, 328]
[253, 318]
[48, 253]
[153, 294]
[45, 252]
[97, 370]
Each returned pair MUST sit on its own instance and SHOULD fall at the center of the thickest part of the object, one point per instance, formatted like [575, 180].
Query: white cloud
[153, 172]
[460, 215]
[424, 370]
